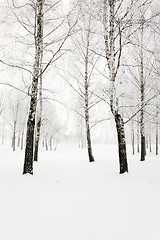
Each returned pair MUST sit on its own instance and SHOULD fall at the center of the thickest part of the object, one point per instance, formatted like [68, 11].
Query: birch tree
[85, 62]
[41, 38]
[38, 73]
[113, 30]
[87, 75]
[28, 164]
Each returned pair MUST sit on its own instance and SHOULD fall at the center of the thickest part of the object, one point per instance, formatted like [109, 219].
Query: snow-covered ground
[69, 198]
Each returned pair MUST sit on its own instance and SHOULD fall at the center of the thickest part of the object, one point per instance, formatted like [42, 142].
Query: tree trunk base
[28, 168]
[143, 148]
[35, 159]
[121, 144]
[91, 159]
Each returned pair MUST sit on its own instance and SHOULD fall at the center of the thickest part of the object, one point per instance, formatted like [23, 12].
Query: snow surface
[69, 198]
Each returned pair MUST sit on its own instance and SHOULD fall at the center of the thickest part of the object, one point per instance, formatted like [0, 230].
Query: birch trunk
[142, 131]
[150, 144]
[157, 143]
[121, 144]
[50, 143]
[14, 136]
[82, 140]
[22, 136]
[109, 35]
[43, 142]
[19, 139]
[28, 163]
[146, 141]
[157, 133]
[46, 144]
[88, 134]
[133, 150]
[138, 137]
[15, 126]
[37, 138]
[39, 121]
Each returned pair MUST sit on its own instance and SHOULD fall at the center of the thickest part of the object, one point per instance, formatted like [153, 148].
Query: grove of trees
[68, 68]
